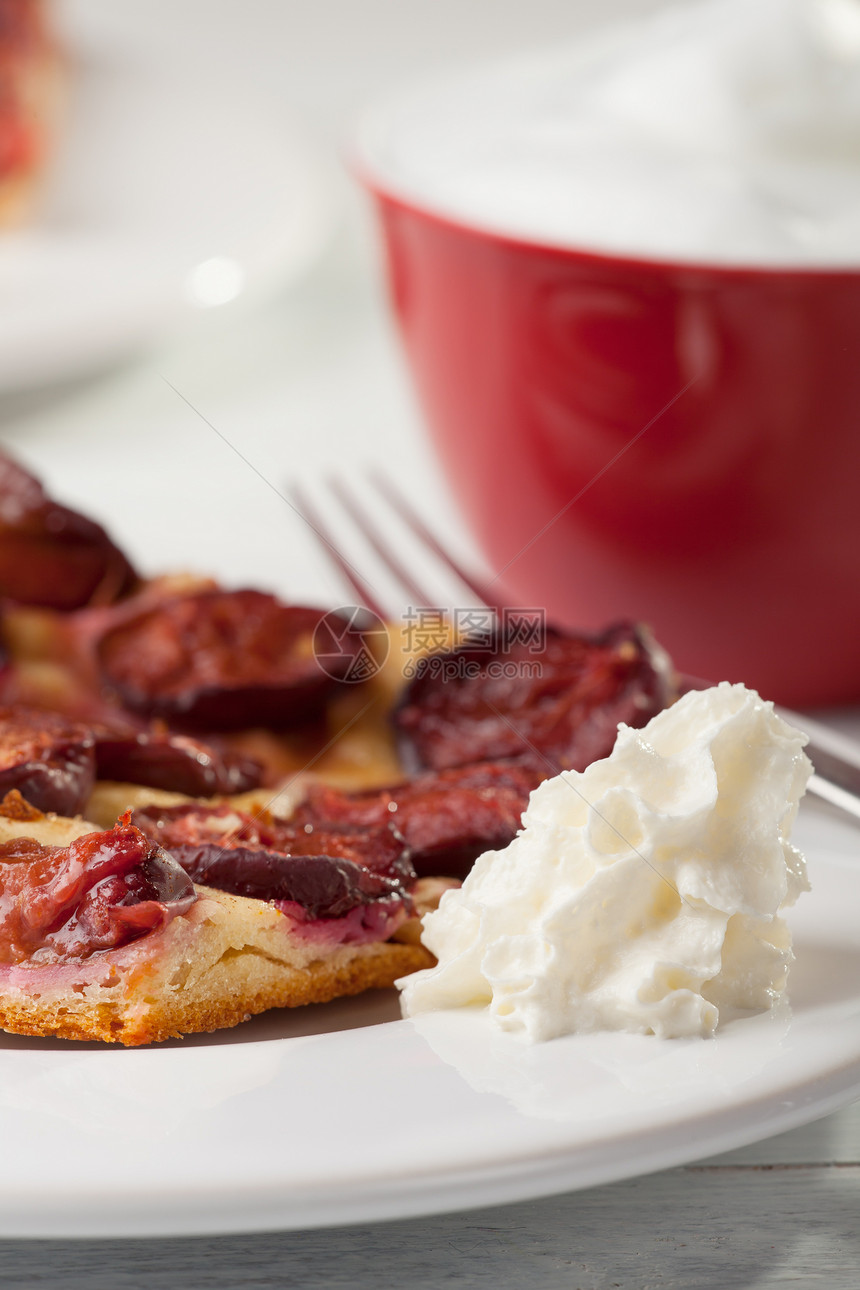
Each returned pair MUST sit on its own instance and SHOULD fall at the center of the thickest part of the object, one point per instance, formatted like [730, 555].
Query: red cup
[674, 443]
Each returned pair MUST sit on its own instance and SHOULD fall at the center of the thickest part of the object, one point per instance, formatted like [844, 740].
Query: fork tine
[836, 763]
[407, 587]
[330, 549]
[416, 525]
[372, 535]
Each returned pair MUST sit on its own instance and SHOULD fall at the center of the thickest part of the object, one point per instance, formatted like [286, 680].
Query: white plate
[338, 1114]
[169, 196]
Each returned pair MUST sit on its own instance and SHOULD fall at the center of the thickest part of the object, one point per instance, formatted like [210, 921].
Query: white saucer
[169, 195]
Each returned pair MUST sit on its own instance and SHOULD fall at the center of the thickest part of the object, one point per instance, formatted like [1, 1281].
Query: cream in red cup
[646, 394]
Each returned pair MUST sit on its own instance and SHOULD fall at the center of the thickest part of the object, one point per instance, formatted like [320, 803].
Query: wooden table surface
[782, 1212]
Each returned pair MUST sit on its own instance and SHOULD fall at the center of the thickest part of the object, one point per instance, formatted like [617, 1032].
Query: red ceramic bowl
[673, 443]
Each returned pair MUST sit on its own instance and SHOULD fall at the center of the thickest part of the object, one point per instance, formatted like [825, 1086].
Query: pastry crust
[223, 961]
[109, 800]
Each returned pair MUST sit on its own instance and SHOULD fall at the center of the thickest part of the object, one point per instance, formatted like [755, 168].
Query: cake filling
[63, 904]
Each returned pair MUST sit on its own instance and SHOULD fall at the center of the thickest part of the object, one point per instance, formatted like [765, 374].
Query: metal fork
[835, 757]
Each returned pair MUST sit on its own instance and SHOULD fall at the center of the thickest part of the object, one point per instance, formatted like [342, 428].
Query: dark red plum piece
[447, 818]
[322, 886]
[47, 758]
[192, 825]
[219, 660]
[379, 847]
[51, 556]
[561, 702]
[63, 904]
[311, 873]
[176, 763]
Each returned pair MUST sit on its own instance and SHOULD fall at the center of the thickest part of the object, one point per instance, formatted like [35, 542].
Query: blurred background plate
[172, 193]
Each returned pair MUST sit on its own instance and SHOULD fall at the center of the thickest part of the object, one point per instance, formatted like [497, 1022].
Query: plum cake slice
[104, 936]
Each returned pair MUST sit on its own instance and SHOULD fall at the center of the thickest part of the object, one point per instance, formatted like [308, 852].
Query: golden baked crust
[226, 960]
[109, 800]
[50, 830]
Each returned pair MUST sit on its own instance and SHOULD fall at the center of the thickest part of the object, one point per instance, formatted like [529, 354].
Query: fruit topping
[63, 904]
[340, 884]
[357, 876]
[52, 556]
[177, 763]
[219, 660]
[49, 760]
[324, 886]
[561, 702]
[191, 826]
[447, 818]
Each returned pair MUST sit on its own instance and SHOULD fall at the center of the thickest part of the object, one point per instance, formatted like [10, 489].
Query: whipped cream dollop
[644, 893]
[718, 132]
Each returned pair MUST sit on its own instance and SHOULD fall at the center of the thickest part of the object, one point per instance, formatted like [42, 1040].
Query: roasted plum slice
[177, 763]
[51, 556]
[199, 823]
[562, 702]
[345, 885]
[63, 904]
[219, 660]
[379, 847]
[447, 818]
[324, 886]
[195, 826]
[47, 758]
